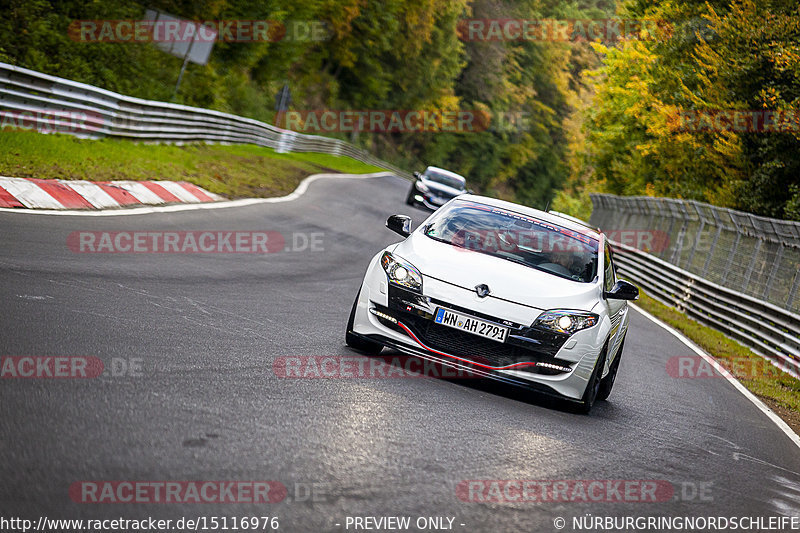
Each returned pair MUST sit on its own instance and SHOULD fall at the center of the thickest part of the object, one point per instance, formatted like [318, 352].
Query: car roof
[446, 172]
[573, 219]
[552, 218]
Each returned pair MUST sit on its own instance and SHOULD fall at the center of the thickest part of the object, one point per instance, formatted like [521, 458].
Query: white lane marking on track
[733, 381]
[297, 193]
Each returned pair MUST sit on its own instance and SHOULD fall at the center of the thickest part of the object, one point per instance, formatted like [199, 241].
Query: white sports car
[500, 291]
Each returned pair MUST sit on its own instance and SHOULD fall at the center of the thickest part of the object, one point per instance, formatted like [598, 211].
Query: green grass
[236, 171]
[777, 389]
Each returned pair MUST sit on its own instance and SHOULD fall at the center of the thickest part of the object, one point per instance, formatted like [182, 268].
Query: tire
[607, 383]
[410, 198]
[593, 387]
[356, 342]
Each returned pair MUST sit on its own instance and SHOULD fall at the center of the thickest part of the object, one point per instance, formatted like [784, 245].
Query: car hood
[442, 189]
[506, 280]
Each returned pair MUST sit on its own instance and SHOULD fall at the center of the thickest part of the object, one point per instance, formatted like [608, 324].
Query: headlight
[401, 272]
[422, 187]
[566, 321]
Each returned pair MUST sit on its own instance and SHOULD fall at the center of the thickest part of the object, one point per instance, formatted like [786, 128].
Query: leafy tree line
[719, 56]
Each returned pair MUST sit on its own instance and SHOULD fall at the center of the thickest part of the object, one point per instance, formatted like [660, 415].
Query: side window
[610, 276]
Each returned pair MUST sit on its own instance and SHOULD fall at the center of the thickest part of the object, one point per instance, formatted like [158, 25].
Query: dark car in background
[435, 187]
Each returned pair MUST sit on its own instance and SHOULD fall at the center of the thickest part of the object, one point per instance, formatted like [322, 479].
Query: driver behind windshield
[573, 262]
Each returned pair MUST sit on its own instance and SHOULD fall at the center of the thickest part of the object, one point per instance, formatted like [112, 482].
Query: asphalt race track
[188, 343]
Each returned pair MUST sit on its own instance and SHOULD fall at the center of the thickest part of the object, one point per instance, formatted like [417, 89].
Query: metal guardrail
[768, 330]
[31, 95]
[755, 255]
[733, 271]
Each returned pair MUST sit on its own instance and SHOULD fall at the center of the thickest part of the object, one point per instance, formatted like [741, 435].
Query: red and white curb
[143, 210]
[66, 194]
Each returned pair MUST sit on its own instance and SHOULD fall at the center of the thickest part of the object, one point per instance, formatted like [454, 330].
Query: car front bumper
[429, 199]
[547, 362]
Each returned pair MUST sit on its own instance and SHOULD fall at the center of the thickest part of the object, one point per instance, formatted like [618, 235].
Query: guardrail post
[793, 292]
[676, 252]
[683, 302]
[285, 142]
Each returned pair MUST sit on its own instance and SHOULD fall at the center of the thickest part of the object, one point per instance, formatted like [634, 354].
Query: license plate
[473, 325]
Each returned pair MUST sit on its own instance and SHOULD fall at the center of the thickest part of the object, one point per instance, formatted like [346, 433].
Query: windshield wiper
[513, 260]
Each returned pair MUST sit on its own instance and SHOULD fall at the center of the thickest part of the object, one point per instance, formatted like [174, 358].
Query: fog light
[554, 367]
[383, 315]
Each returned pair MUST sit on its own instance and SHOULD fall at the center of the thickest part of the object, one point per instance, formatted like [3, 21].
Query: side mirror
[417, 174]
[401, 224]
[623, 290]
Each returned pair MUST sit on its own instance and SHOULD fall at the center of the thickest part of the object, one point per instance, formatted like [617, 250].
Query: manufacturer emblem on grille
[482, 290]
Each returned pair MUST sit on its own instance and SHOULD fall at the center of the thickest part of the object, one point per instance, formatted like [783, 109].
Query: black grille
[416, 312]
[472, 347]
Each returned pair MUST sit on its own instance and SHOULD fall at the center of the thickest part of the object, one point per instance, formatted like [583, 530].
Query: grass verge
[236, 171]
[777, 389]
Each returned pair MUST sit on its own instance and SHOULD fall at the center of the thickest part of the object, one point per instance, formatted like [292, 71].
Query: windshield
[445, 179]
[517, 238]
